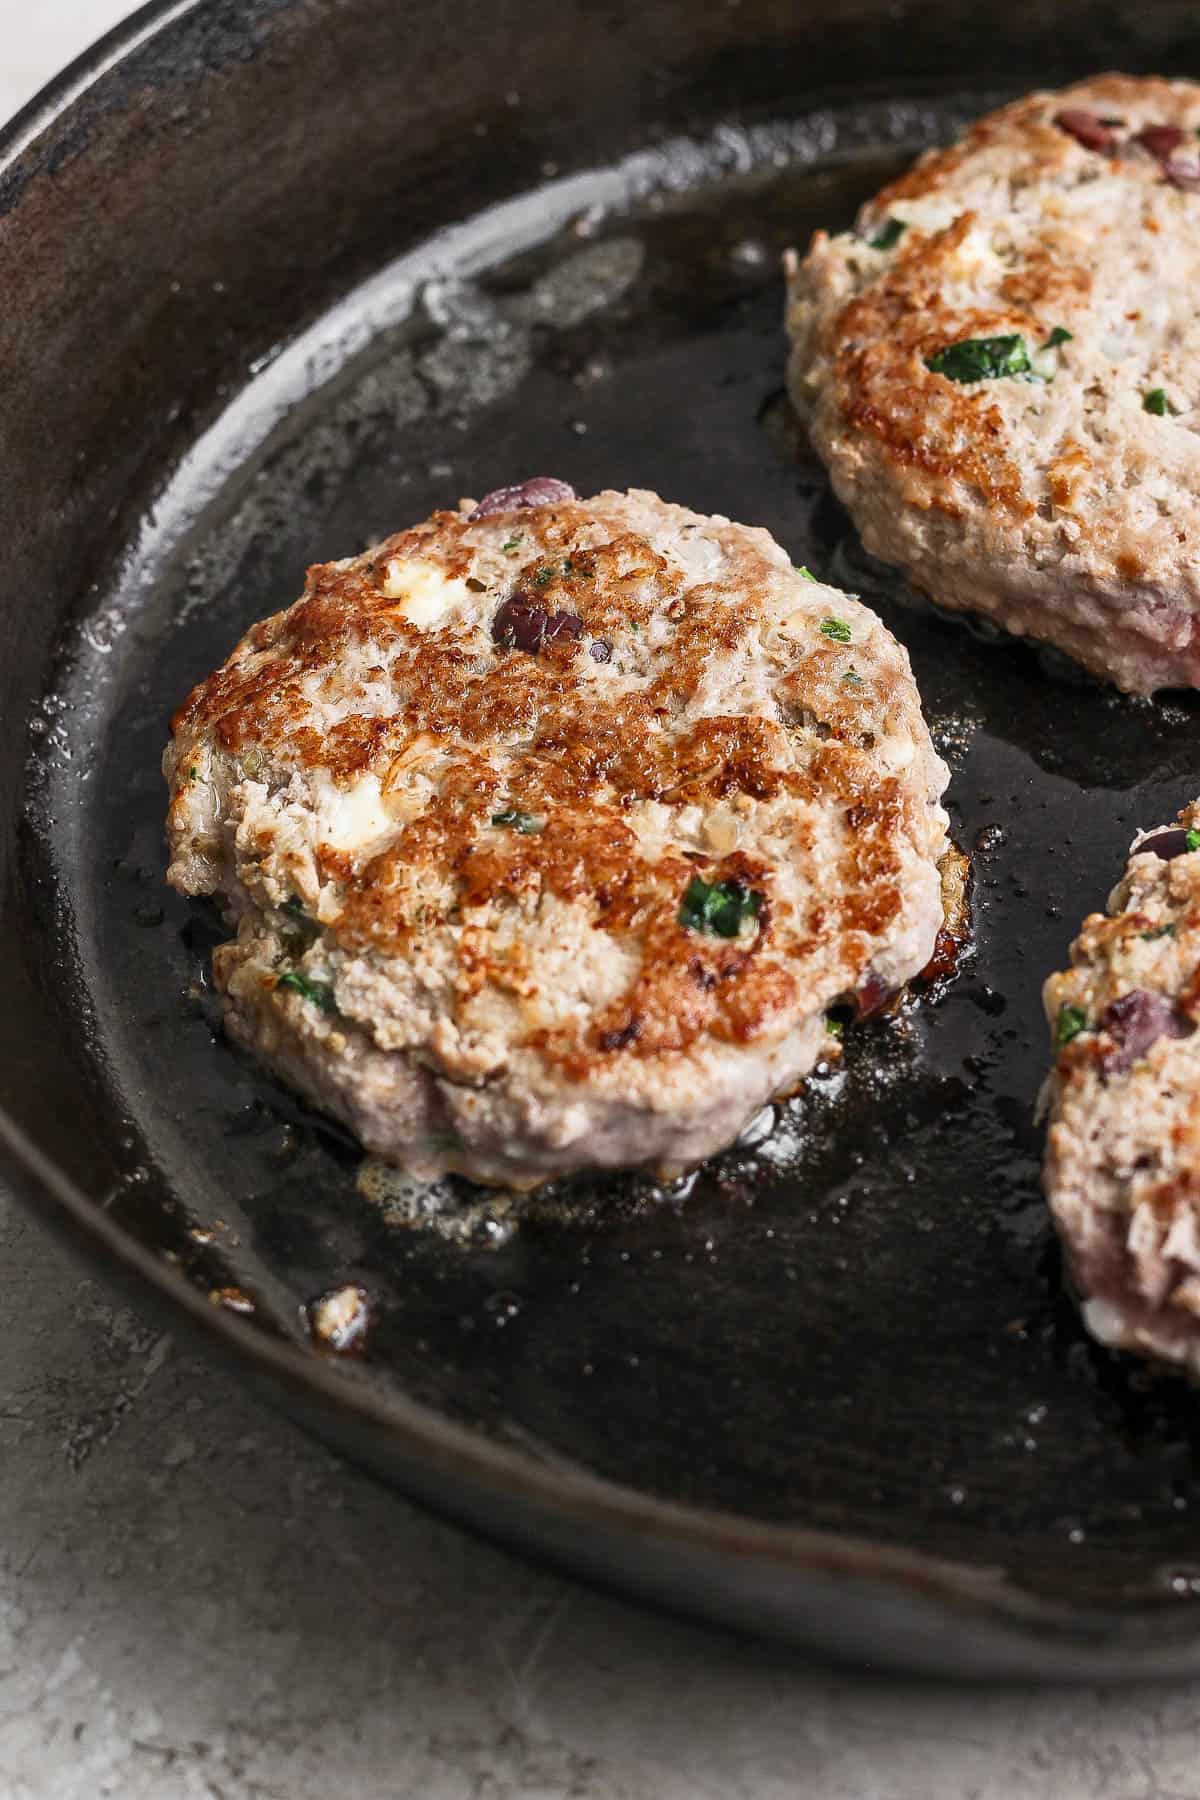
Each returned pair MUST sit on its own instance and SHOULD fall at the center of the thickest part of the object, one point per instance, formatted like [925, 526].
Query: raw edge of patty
[1122, 1167]
[376, 1018]
[1066, 509]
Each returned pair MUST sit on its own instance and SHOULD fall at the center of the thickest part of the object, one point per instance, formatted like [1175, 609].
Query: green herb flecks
[1071, 1021]
[837, 629]
[512, 820]
[294, 905]
[833, 1026]
[1160, 931]
[718, 907]
[983, 359]
[193, 773]
[446, 1141]
[802, 570]
[1156, 402]
[852, 678]
[1060, 335]
[512, 545]
[318, 992]
[1193, 840]
[889, 235]
[543, 575]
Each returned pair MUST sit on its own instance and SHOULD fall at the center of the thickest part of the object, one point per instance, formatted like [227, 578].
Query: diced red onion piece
[1086, 129]
[539, 490]
[872, 996]
[1161, 141]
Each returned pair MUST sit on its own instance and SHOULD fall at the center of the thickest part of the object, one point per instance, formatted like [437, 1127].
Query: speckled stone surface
[196, 1601]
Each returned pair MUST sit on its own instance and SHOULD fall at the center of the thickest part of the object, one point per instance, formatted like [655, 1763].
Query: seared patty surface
[1122, 1168]
[1000, 367]
[551, 828]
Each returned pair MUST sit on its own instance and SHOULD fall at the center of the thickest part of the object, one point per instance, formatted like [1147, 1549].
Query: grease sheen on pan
[1122, 1169]
[550, 832]
[1051, 481]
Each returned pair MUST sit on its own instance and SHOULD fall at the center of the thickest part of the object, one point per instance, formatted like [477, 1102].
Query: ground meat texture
[510, 907]
[1122, 1171]
[1000, 367]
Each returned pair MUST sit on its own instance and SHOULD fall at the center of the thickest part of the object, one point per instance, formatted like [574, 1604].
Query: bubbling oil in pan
[854, 1317]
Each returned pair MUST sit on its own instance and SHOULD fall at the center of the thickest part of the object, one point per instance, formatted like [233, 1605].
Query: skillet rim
[1146, 1639]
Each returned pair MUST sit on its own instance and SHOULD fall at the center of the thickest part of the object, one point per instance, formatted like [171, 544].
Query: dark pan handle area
[287, 149]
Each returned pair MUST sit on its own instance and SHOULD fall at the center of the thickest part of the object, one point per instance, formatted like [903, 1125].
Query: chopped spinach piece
[1060, 335]
[801, 569]
[319, 992]
[543, 575]
[852, 678]
[718, 907]
[983, 359]
[837, 629]
[833, 1026]
[1193, 840]
[511, 544]
[1160, 931]
[1156, 402]
[193, 773]
[1071, 1021]
[889, 235]
[511, 820]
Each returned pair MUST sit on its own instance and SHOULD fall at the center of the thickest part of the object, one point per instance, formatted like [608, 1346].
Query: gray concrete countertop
[195, 1601]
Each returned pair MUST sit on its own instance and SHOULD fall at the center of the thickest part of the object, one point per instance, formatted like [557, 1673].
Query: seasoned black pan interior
[856, 1320]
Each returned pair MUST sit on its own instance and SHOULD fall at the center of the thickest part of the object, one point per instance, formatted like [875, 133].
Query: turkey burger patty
[1122, 1168]
[551, 828]
[1000, 367]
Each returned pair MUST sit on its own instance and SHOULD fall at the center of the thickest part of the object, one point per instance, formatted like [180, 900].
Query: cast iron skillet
[279, 276]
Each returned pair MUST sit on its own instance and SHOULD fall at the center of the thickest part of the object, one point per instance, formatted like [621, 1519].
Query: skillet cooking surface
[856, 1323]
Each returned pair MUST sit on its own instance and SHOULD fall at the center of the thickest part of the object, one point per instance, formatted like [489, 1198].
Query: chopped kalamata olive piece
[562, 625]
[601, 650]
[539, 490]
[1135, 1022]
[521, 624]
[1086, 129]
[1172, 842]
